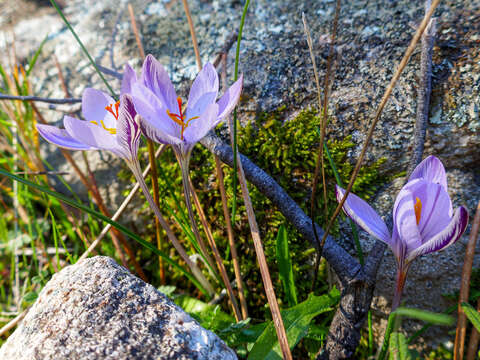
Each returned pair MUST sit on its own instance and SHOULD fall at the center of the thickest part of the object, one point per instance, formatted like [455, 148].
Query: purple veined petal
[431, 170]
[364, 215]
[155, 78]
[129, 77]
[94, 103]
[60, 137]
[230, 99]
[445, 238]
[128, 128]
[151, 109]
[405, 221]
[90, 134]
[203, 92]
[434, 204]
[198, 128]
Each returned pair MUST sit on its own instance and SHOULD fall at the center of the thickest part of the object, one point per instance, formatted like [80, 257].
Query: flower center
[418, 209]
[115, 114]
[180, 118]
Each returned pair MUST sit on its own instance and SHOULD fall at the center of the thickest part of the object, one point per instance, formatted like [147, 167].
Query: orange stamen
[418, 209]
[111, 111]
[179, 119]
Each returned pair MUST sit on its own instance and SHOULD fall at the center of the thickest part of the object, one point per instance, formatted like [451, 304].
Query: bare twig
[424, 91]
[226, 47]
[465, 287]
[378, 113]
[41, 99]
[192, 33]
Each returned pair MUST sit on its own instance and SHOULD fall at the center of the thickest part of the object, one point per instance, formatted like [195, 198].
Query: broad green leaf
[102, 217]
[428, 316]
[472, 314]
[30, 297]
[398, 349]
[297, 322]
[285, 267]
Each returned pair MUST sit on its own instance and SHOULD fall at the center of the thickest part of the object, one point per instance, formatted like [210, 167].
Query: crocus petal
[203, 92]
[129, 78]
[90, 134]
[198, 128]
[149, 107]
[431, 170]
[405, 221]
[60, 138]
[152, 132]
[230, 99]
[128, 128]
[94, 103]
[156, 78]
[363, 214]
[436, 207]
[445, 238]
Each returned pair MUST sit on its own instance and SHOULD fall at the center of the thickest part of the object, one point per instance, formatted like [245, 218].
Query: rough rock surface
[372, 37]
[96, 309]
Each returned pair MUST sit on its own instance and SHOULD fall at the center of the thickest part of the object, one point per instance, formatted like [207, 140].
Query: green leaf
[100, 216]
[32, 62]
[30, 297]
[398, 349]
[428, 316]
[472, 315]
[297, 322]
[285, 267]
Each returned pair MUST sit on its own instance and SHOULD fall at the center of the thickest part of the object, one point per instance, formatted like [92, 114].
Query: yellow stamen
[112, 131]
[418, 209]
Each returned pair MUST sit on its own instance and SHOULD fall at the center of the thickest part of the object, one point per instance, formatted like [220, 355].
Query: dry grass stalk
[465, 287]
[383, 102]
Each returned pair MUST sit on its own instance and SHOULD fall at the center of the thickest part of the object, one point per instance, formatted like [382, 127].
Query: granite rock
[96, 309]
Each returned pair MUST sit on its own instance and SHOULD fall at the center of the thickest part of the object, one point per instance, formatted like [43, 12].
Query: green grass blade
[235, 77]
[85, 51]
[428, 316]
[33, 61]
[472, 314]
[398, 347]
[104, 218]
[386, 339]
[285, 269]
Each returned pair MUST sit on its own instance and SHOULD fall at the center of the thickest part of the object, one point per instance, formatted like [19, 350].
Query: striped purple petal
[445, 238]
[363, 214]
[60, 137]
[128, 128]
[431, 170]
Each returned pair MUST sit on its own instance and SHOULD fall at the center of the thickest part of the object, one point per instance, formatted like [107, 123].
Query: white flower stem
[135, 167]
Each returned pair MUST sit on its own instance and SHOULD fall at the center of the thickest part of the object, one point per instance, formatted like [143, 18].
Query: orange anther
[418, 209]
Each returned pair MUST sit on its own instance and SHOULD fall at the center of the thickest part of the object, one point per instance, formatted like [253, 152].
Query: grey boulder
[96, 309]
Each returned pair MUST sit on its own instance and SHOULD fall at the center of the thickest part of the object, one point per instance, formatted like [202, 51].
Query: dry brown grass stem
[226, 212]
[216, 254]
[465, 287]
[10, 325]
[151, 155]
[121, 208]
[193, 34]
[383, 102]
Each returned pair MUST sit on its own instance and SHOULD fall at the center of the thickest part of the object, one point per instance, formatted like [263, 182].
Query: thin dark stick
[226, 47]
[41, 99]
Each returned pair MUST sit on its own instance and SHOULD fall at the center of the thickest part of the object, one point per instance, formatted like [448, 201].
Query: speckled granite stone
[96, 309]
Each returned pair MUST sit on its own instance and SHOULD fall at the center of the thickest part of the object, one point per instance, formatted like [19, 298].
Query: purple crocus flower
[423, 218]
[164, 119]
[108, 125]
